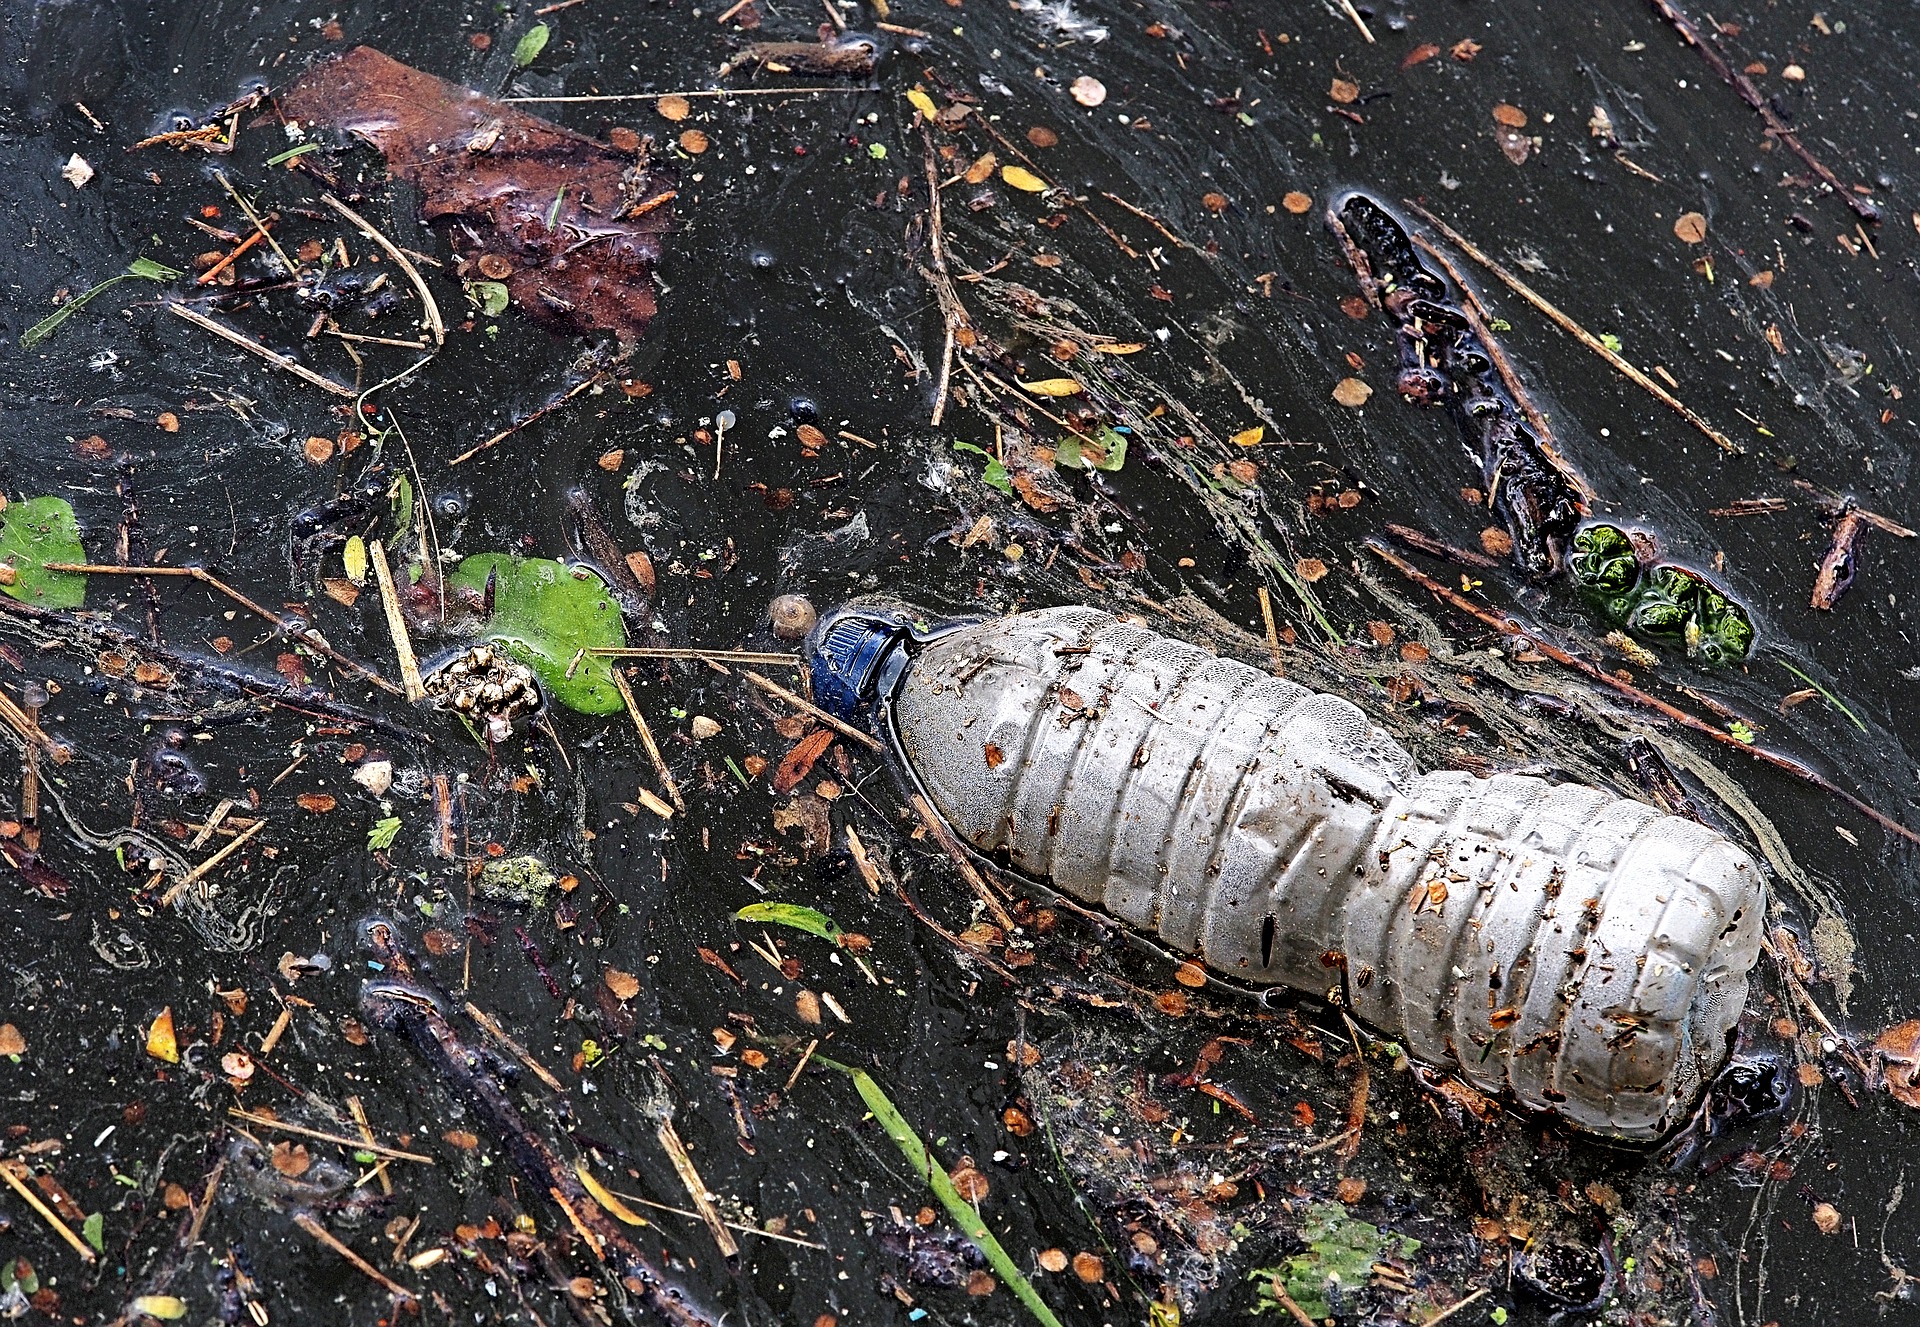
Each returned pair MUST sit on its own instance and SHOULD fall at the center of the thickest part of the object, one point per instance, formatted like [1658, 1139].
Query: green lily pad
[36, 532]
[544, 613]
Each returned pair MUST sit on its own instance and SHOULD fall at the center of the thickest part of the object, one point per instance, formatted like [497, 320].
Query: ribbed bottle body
[1574, 948]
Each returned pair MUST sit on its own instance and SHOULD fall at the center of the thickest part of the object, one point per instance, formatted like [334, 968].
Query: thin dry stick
[311, 639]
[731, 1225]
[431, 307]
[1862, 208]
[273, 357]
[1580, 334]
[1509, 626]
[697, 1190]
[1273, 634]
[514, 428]
[709, 92]
[227, 850]
[259, 226]
[801, 1066]
[767, 658]
[410, 681]
[646, 740]
[359, 1113]
[1358, 22]
[205, 1204]
[29, 727]
[951, 314]
[1151, 220]
[327, 1237]
[353, 1144]
[968, 871]
[1456, 1306]
[499, 1034]
[806, 706]
[10, 1171]
[1477, 318]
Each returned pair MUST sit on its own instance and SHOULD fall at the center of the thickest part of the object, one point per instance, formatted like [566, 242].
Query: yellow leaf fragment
[922, 103]
[604, 1196]
[1250, 437]
[161, 1042]
[1121, 347]
[167, 1308]
[1022, 178]
[1053, 387]
[355, 555]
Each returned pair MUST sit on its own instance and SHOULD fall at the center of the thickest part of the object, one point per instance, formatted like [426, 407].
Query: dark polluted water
[1162, 389]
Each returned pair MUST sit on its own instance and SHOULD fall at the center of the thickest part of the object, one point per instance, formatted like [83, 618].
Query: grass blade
[958, 1208]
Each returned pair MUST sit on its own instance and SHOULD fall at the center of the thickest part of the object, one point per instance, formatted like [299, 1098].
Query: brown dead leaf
[1041, 136]
[1827, 1217]
[1464, 51]
[1510, 116]
[624, 985]
[612, 460]
[1344, 92]
[798, 762]
[1496, 541]
[11, 1042]
[1215, 203]
[1310, 570]
[694, 141]
[1351, 392]
[1190, 974]
[318, 450]
[982, 169]
[1089, 1268]
[968, 1182]
[674, 107]
[1691, 227]
[1350, 1190]
[1052, 1260]
[318, 803]
[499, 200]
[1420, 54]
[290, 1159]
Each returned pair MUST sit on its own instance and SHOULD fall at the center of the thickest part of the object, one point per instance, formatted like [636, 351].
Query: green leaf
[528, 48]
[489, 296]
[383, 833]
[293, 152]
[38, 531]
[144, 268]
[1610, 341]
[94, 1231]
[545, 613]
[995, 474]
[1106, 450]
[959, 1210]
[799, 917]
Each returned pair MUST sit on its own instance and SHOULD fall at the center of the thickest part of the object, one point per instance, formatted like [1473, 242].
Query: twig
[968, 871]
[499, 1034]
[428, 303]
[731, 1225]
[212, 274]
[697, 1190]
[29, 727]
[660, 769]
[1862, 208]
[10, 1171]
[258, 225]
[709, 92]
[232, 846]
[1456, 1306]
[205, 1205]
[360, 1122]
[801, 1065]
[1476, 315]
[1581, 334]
[274, 357]
[1273, 634]
[1358, 22]
[1509, 626]
[410, 682]
[1838, 568]
[1438, 548]
[307, 1223]
[806, 706]
[352, 1144]
[732, 9]
[515, 427]
[767, 658]
[1153, 221]
[310, 638]
[952, 315]
[1285, 1301]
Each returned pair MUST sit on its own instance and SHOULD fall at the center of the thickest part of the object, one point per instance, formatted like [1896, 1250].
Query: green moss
[1666, 603]
[1341, 1252]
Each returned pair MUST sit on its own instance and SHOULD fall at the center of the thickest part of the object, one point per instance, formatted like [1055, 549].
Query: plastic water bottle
[1571, 947]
